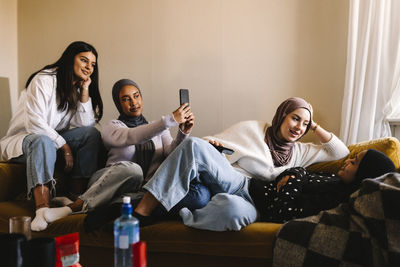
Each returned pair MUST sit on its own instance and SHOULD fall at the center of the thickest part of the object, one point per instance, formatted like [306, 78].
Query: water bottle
[126, 233]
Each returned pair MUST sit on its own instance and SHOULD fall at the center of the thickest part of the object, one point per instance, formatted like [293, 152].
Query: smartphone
[223, 149]
[183, 96]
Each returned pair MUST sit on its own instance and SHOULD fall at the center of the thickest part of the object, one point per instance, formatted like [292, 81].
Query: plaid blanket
[363, 232]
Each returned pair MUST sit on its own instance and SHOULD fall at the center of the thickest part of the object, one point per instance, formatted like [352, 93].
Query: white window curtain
[372, 87]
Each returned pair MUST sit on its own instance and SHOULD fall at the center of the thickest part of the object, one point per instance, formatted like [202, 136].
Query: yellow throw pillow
[388, 145]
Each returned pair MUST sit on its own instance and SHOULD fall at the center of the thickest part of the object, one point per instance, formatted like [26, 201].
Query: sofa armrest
[12, 180]
[388, 145]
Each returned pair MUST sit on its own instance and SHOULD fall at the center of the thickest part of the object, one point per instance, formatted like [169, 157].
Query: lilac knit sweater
[120, 140]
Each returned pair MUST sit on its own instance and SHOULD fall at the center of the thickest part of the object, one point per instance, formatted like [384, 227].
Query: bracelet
[67, 154]
[314, 128]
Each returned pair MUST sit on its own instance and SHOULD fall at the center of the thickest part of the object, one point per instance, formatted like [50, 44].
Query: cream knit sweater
[252, 156]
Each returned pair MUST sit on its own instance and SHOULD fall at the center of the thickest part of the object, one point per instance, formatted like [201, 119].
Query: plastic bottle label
[70, 260]
[123, 241]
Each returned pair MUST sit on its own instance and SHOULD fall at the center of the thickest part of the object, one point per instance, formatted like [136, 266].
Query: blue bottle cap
[126, 206]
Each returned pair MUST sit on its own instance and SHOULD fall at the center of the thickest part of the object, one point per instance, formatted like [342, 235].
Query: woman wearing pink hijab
[261, 151]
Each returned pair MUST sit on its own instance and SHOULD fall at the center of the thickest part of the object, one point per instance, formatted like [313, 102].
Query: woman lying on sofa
[295, 193]
[135, 150]
[261, 151]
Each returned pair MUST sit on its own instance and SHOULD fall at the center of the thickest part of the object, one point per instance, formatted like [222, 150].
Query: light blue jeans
[110, 184]
[40, 156]
[231, 207]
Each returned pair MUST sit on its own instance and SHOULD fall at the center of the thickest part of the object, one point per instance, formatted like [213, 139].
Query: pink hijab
[282, 150]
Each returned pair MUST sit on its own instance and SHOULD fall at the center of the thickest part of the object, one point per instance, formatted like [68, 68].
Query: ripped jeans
[40, 156]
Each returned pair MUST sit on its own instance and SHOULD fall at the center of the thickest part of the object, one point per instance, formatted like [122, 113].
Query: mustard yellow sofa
[168, 243]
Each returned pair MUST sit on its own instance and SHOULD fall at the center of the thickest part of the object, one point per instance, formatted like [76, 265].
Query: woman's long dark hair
[64, 68]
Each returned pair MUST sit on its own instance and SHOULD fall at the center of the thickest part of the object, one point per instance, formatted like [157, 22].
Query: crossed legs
[196, 159]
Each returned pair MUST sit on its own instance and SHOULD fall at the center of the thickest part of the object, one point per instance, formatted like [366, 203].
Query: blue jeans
[231, 207]
[197, 197]
[40, 156]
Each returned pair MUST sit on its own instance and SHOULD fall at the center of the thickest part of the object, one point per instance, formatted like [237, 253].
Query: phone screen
[184, 96]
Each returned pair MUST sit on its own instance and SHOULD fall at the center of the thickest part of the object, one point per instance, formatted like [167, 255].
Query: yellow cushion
[388, 145]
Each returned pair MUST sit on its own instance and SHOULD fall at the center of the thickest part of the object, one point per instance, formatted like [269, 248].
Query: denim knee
[84, 135]
[194, 142]
[38, 140]
[90, 132]
[134, 170]
[38, 145]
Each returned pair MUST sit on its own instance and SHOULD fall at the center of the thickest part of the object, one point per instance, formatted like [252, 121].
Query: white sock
[54, 214]
[186, 215]
[61, 201]
[39, 223]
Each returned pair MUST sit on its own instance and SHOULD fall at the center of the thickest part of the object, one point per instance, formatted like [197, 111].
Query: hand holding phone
[183, 115]
[223, 149]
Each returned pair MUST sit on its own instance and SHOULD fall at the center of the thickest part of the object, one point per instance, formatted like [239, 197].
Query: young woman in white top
[54, 121]
[261, 151]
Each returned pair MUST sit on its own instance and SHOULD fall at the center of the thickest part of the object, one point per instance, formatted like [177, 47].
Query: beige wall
[8, 61]
[239, 58]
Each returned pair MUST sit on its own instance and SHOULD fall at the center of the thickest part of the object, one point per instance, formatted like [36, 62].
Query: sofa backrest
[13, 177]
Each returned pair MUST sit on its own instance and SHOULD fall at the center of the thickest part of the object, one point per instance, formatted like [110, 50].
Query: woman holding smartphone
[136, 148]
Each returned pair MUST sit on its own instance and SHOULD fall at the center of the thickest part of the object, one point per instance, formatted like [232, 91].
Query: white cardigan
[253, 158]
[37, 113]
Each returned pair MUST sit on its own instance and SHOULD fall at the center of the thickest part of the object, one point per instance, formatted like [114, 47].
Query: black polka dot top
[296, 193]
